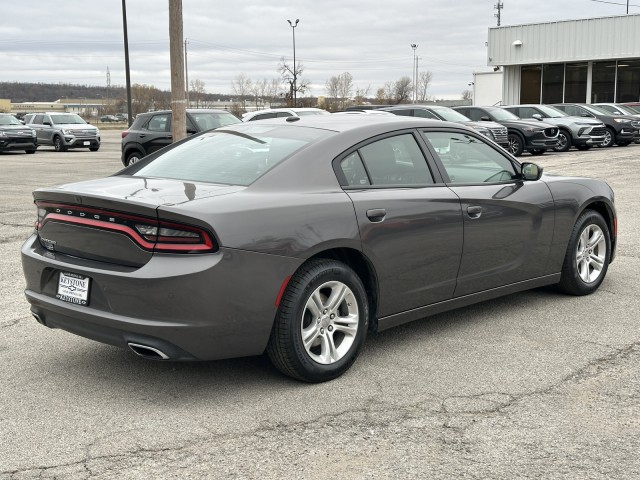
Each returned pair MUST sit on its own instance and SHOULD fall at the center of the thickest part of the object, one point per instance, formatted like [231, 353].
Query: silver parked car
[64, 131]
[299, 236]
[580, 132]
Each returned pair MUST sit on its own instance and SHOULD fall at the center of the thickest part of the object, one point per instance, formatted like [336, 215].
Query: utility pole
[415, 72]
[178, 101]
[293, 26]
[498, 6]
[186, 70]
[126, 63]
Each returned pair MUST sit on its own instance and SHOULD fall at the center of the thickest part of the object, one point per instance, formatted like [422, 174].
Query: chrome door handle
[376, 215]
[474, 211]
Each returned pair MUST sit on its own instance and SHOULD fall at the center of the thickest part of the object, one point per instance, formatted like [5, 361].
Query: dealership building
[578, 61]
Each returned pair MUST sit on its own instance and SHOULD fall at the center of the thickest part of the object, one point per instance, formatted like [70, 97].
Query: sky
[76, 41]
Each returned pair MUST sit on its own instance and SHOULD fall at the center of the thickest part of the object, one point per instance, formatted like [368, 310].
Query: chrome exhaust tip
[148, 352]
[38, 319]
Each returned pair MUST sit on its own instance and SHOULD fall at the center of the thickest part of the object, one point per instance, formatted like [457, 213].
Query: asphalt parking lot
[533, 385]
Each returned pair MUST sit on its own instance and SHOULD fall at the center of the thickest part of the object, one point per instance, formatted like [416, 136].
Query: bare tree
[467, 95]
[361, 94]
[385, 94]
[424, 80]
[345, 88]
[241, 87]
[295, 82]
[402, 89]
[332, 87]
[197, 90]
[273, 89]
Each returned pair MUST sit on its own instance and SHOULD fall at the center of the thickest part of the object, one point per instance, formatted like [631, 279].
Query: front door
[508, 223]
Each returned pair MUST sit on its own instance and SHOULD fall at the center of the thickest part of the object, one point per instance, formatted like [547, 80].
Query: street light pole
[295, 74]
[415, 72]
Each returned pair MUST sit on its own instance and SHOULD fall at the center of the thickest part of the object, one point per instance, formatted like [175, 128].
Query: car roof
[343, 123]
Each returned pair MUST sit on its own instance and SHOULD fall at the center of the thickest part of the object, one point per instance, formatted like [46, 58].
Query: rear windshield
[232, 157]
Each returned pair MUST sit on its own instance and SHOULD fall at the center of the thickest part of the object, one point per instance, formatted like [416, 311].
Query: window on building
[575, 90]
[628, 81]
[552, 83]
[530, 83]
[604, 82]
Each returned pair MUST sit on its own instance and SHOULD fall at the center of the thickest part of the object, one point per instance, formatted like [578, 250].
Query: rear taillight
[149, 233]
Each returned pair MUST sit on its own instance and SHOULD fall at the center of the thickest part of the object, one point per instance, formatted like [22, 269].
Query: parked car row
[61, 130]
[538, 128]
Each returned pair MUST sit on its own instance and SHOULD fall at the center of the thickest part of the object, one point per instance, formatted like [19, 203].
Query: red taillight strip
[101, 225]
[164, 244]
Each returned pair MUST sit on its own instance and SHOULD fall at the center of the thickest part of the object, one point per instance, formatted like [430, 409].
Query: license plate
[73, 288]
[87, 143]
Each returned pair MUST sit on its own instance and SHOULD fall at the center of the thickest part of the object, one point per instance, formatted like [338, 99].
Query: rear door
[508, 223]
[156, 133]
[410, 222]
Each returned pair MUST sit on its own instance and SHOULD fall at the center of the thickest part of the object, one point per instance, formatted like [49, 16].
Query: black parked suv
[524, 135]
[152, 131]
[492, 130]
[15, 136]
[621, 129]
[580, 132]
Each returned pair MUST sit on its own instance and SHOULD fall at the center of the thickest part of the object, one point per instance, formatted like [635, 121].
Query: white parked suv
[281, 112]
[64, 131]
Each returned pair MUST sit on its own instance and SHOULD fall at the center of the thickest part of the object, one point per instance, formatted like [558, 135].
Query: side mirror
[485, 119]
[46, 123]
[191, 131]
[531, 171]
[537, 116]
[588, 115]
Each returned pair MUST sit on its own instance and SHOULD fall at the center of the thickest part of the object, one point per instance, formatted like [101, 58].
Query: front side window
[467, 159]
[396, 161]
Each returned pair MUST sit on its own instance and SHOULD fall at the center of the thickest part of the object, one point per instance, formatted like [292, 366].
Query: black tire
[538, 151]
[286, 347]
[58, 145]
[609, 138]
[94, 149]
[30, 151]
[589, 226]
[516, 144]
[583, 147]
[133, 157]
[564, 138]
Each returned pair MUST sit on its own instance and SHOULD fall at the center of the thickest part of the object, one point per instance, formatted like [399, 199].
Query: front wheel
[588, 253]
[321, 323]
[94, 149]
[58, 145]
[564, 142]
[609, 138]
[516, 145]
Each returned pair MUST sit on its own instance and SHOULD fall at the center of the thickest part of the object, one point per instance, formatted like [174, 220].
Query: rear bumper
[191, 307]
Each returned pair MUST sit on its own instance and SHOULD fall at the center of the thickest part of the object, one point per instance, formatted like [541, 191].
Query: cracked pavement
[533, 385]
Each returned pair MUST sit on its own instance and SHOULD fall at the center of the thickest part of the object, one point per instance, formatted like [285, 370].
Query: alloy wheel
[591, 253]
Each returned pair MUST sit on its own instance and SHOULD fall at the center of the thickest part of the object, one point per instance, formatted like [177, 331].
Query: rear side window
[159, 123]
[391, 161]
[230, 157]
[425, 114]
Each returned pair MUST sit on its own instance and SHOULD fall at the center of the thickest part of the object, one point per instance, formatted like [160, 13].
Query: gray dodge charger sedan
[298, 236]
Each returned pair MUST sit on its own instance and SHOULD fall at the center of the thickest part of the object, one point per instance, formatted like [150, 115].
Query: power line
[616, 3]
